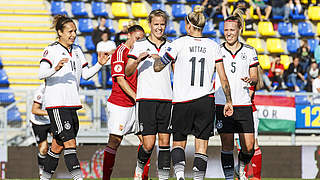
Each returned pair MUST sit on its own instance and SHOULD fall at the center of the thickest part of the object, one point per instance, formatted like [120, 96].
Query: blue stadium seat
[285, 29]
[182, 27]
[295, 14]
[193, 1]
[58, 7]
[158, 6]
[94, 58]
[277, 17]
[89, 43]
[78, 8]
[6, 97]
[170, 28]
[313, 43]
[109, 78]
[302, 100]
[14, 115]
[109, 25]
[171, 38]
[99, 8]
[85, 25]
[209, 29]
[87, 83]
[293, 45]
[178, 10]
[173, 1]
[305, 29]
[4, 82]
[221, 27]
[216, 39]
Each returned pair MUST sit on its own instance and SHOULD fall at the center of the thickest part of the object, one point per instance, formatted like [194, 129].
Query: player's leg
[200, 159]
[110, 155]
[144, 154]
[257, 157]
[178, 156]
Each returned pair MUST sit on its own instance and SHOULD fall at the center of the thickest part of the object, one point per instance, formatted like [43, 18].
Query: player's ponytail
[196, 18]
[237, 16]
[59, 21]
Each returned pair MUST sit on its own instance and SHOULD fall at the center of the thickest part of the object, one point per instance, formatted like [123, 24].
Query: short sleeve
[135, 51]
[117, 64]
[254, 59]
[217, 54]
[48, 56]
[172, 50]
[99, 47]
[38, 94]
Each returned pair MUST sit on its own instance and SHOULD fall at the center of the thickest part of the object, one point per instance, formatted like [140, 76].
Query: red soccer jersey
[253, 88]
[119, 60]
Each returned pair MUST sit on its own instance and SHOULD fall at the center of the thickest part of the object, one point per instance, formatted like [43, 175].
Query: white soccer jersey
[38, 97]
[151, 85]
[236, 67]
[63, 86]
[194, 67]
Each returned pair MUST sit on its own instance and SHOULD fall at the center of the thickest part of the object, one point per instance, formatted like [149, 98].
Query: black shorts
[154, 117]
[195, 117]
[240, 122]
[40, 132]
[64, 123]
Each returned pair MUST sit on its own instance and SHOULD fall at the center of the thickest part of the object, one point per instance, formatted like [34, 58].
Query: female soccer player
[121, 103]
[240, 63]
[195, 58]
[154, 95]
[61, 66]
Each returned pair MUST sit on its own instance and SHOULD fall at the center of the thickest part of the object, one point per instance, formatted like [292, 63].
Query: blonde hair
[237, 15]
[158, 12]
[196, 18]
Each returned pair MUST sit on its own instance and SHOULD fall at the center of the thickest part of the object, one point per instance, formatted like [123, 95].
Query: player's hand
[143, 56]
[155, 56]
[103, 58]
[228, 109]
[61, 63]
[246, 79]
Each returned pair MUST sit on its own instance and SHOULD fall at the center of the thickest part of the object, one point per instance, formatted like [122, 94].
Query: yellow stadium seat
[120, 23]
[306, 1]
[253, 15]
[264, 61]
[266, 28]
[247, 33]
[145, 25]
[274, 45]
[314, 13]
[232, 1]
[119, 9]
[256, 43]
[318, 29]
[139, 10]
[284, 59]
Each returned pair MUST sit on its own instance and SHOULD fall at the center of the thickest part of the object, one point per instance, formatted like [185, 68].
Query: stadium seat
[302, 100]
[85, 25]
[109, 25]
[305, 29]
[265, 28]
[178, 10]
[208, 29]
[284, 59]
[216, 39]
[109, 79]
[313, 43]
[89, 43]
[13, 115]
[318, 29]
[145, 25]
[293, 45]
[193, 1]
[94, 58]
[170, 28]
[221, 27]
[87, 83]
[6, 97]
[182, 27]
[248, 32]
[274, 45]
[253, 15]
[314, 13]
[4, 82]
[120, 23]
[171, 38]
[139, 10]
[173, 1]
[294, 14]
[285, 29]
[78, 8]
[256, 43]
[99, 8]
[119, 9]
[58, 7]
[264, 61]
[161, 6]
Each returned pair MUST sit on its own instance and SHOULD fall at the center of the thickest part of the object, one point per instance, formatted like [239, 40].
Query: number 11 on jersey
[193, 69]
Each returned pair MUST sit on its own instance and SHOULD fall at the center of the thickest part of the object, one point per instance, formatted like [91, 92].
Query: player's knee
[164, 140]
[114, 142]
[43, 150]
[148, 146]
[56, 148]
[246, 156]
[70, 143]
[144, 154]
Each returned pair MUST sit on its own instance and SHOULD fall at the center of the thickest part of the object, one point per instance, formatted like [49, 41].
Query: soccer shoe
[137, 176]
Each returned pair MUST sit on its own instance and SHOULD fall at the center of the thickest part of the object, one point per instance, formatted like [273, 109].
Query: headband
[193, 24]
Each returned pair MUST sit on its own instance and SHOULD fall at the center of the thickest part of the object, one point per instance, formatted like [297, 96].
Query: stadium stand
[208, 29]
[139, 10]
[89, 43]
[99, 8]
[313, 44]
[264, 61]
[178, 10]
[293, 45]
[144, 23]
[119, 9]
[305, 29]
[182, 25]
[155, 6]
[266, 28]
[285, 60]
[256, 43]
[170, 28]
[314, 13]
[285, 29]
[318, 29]
[78, 8]
[58, 7]
[274, 45]
[85, 25]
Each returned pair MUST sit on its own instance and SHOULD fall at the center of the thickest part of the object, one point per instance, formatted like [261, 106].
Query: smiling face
[157, 26]
[134, 36]
[231, 32]
[68, 34]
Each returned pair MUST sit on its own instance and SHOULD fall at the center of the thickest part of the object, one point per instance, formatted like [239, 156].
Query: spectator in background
[313, 72]
[316, 89]
[276, 73]
[304, 55]
[244, 5]
[281, 8]
[295, 3]
[106, 45]
[122, 36]
[261, 5]
[295, 75]
[97, 32]
[213, 7]
[317, 54]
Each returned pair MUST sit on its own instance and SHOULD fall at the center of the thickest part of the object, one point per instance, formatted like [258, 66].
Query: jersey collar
[69, 51]
[196, 37]
[233, 55]
[158, 49]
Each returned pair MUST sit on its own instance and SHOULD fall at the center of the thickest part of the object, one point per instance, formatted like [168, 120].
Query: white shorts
[255, 123]
[121, 120]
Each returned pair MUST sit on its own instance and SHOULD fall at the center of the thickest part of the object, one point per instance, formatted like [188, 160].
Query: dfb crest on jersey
[77, 55]
[67, 125]
[117, 68]
[243, 56]
[219, 124]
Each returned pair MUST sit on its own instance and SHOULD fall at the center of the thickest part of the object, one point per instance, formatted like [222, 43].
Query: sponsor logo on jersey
[45, 53]
[67, 125]
[117, 68]
[219, 124]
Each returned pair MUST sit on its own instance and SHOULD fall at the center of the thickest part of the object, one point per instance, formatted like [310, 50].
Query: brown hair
[237, 16]
[196, 17]
[158, 12]
[59, 21]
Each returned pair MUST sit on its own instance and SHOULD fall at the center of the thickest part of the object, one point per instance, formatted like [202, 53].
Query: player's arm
[46, 69]
[36, 109]
[132, 63]
[159, 64]
[253, 70]
[125, 87]
[87, 72]
[318, 89]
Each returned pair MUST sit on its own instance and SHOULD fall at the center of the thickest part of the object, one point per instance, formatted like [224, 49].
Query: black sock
[143, 157]
[50, 164]
[41, 159]
[179, 161]
[245, 157]
[199, 166]
[72, 162]
[227, 162]
[164, 162]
